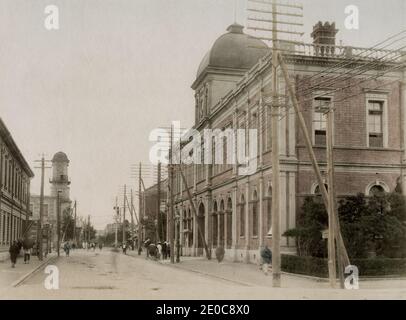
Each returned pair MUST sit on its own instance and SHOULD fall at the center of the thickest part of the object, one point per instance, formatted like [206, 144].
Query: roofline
[9, 141]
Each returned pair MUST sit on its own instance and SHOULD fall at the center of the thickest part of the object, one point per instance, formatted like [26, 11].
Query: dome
[60, 157]
[234, 50]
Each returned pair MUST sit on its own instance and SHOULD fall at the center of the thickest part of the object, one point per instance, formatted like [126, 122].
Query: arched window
[190, 228]
[269, 209]
[242, 216]
[222, 213]
[255, 214]
[229, 222]
[317, 190]
[376, 190]
[215, 224]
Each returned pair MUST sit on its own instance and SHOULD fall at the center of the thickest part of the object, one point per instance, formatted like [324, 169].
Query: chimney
[324, 34]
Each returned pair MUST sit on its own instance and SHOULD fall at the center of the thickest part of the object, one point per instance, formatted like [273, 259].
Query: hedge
[318, 267]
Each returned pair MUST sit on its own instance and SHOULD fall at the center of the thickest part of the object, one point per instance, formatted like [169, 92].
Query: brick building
[231, 90]
[15, 176]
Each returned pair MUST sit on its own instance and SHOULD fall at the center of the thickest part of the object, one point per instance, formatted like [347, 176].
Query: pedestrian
[66, 248]
[100, 246]
[164, 250]
[14, 252]
[27, 254]
[168, 249]
[124, 248]
[159, 252]
[266, 255]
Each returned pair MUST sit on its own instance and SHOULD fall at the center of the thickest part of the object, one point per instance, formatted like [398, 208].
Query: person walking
[266, 255]
[124, 248]
[14, 252]
[159, 252]
[100, 246]
[66, 248]
[27, 254]
[164, 250]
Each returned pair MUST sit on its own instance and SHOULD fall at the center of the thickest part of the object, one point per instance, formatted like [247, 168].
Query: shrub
[318, 267]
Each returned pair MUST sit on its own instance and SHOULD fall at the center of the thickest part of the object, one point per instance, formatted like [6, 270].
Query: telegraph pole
[74, 226]
[171, 207]
[158, 205]
[116, 209]
[331, 198]
[276, 254]
[41, 207]
[139, 210]
[124, 196]
[58, 222]
[88, 229]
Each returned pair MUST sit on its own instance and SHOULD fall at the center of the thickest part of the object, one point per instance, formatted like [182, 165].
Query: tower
[60, 180]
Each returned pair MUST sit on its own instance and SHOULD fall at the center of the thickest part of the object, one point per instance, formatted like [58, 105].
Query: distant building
[59, 182]
[15, 176]
[150, 207]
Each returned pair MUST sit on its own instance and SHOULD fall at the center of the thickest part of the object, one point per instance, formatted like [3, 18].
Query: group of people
[161, 250]
[15, 249]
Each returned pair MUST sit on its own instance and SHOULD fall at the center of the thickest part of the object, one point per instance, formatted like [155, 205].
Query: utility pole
[331, 200]
[88, 229]
[276, 254]
[158, 204]
[130, 208]
[139, 210]
[208, 255]
[116, 210]
[171, 207]
[58, 222]
[342, 252]
[74, 226]
[41, 209]
[124, 197]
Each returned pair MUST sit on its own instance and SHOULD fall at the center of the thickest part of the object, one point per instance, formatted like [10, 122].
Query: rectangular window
[45, 213]
[375, 123]
[321, 106]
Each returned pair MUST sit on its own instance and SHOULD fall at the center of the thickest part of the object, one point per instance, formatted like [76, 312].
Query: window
[215, 225]
[321, 106]
[45, 213]
[242, 217]
[255, 214]
[375, 123]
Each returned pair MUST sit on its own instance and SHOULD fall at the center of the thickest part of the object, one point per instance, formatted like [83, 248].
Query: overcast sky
[116, 69]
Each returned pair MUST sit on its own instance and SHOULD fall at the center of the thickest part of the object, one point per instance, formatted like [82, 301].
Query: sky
[117, 69]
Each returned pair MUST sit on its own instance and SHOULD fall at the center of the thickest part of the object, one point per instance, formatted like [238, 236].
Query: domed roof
[234, 50]
[60, 157]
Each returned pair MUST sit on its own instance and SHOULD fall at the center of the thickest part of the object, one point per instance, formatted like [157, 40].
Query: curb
[32, 272]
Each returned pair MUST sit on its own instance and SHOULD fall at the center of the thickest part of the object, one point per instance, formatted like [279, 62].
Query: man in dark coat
[164, 250]
[14, 252]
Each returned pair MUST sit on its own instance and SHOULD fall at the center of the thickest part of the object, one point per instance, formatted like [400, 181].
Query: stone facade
[15, 176]
[369, 140]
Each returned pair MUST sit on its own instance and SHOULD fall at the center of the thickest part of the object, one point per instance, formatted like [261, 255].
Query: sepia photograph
[215, 152]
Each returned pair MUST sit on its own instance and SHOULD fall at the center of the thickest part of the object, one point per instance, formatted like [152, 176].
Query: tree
[368, 224]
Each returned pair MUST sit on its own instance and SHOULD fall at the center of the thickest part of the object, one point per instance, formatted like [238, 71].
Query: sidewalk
[10, 275]
[242, 273]
[251, 275]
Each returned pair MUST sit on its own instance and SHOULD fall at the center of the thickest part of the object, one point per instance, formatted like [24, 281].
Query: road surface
[110, 275]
